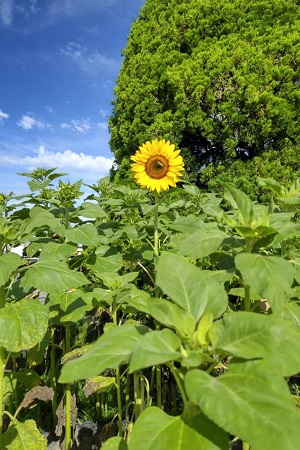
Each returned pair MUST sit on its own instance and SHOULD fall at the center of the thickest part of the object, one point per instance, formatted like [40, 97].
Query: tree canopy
[220, 79]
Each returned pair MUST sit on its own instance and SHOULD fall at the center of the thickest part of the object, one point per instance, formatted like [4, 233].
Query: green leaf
[240, 201]
[22, 324]
[202, 242]
[110, 262]
[8, 264]
[86, 234]
[49, 275]
[114, 443]
[269, 276]
[155, 429]
[23, 436]
[112, 349]
[248, 335]
[97, 384]
[247, 405]
[291, 312]
[165, 312]
[91, 210]
[156, 347]
[187, 286]
[61, 252]
[65, 299]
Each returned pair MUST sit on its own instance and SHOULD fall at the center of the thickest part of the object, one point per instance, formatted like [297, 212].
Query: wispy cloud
[81, 126]
[27, 122]
[69, 8]
[8, 8]
[66, 160]
[50, 109]
[3, 116]
[6, 11]
[27, 9]
[90, 62]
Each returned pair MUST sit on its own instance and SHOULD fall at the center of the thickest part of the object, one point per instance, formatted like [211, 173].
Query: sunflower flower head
[157, 165]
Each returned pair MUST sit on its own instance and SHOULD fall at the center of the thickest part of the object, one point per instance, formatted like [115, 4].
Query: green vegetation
[192, 348]
[220, 79]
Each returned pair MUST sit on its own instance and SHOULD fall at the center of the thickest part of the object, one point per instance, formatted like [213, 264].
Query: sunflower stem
[156, 240]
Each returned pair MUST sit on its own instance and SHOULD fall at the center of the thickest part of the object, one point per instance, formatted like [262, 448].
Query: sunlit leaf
[85, 234]
[23, 436]
[156, 347]
[112, 349]
[187, 286]
[49, 275]
[247, 405]
[22, 324]
[8, 264]
[155, 429]
[251, 336]
[269, 276]
[165, 312]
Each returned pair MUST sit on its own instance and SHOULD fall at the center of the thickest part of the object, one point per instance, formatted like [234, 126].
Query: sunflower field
[167, 317]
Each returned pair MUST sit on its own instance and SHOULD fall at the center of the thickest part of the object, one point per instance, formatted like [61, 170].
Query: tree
[220, 79]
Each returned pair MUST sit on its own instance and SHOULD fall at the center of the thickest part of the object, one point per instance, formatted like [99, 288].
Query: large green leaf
[22, 324]
[187, 286]
[269, 276]
[91, 210]
[85, 234]
[8, 264]
[49, 275]
[65, 299]
[155, 429]
[156, 347]
[165, 312]
[248, 335]
[249, 406]
[111, 262]
[23, 436]
[240, 201]
[291, 312]
[112, 349]
[203, 242]
[61, 252]
[115, 443]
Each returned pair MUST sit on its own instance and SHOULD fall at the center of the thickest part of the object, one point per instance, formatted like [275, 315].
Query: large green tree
[219, 78]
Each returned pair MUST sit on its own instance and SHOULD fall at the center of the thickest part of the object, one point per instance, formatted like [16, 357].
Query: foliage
[219, 79]
[194, 345]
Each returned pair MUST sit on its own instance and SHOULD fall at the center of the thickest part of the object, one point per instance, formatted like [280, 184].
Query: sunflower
[157, 165]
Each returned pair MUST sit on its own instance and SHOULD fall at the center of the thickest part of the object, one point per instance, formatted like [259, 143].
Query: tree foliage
[219, 79]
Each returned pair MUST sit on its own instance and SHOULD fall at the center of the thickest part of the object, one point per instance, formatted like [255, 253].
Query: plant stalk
[118, 383]
[68, 421]
[2, 360]
[53, 380]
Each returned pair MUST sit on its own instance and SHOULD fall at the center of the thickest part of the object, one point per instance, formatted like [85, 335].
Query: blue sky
[59, 60]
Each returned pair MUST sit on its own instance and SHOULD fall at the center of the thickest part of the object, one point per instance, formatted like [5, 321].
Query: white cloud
[6, 11]
[91, 62]
[66, 160]
[3, 116]
[27, 122]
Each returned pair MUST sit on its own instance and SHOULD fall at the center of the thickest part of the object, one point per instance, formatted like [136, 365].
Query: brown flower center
[157, 167]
